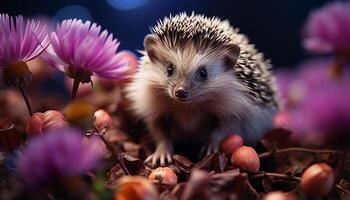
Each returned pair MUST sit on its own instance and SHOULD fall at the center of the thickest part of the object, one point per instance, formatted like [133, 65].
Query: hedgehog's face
[188, 73]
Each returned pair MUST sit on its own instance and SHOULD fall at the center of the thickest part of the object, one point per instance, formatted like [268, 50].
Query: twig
[298, 149]
[338, 186]
[115, 154]
[276, 175]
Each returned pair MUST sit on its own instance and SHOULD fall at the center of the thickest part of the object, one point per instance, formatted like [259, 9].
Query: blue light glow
[126, 4]
[73, 11]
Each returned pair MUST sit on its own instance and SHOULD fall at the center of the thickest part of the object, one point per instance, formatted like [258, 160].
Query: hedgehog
[199, 81]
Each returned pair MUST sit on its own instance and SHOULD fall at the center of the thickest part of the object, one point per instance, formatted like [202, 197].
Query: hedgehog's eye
[170, 69]
[203, 74]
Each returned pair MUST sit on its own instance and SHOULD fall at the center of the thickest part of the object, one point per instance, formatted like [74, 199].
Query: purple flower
[284, 79]
[315, 74]
[58, 154]
[82, 49]
[328, 29]
[324, 113]
[318, 109]
[20, 41]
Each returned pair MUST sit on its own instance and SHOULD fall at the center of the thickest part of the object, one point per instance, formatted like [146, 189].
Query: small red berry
[277, 195]
[164, 175]
[317, 180]
[230, 143]
[246, 159]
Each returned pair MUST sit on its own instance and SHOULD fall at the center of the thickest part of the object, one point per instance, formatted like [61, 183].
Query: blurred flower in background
[59, 154]
[312, 75]
[327, 29]
[316, 103]
[324, 114]
[317, 95]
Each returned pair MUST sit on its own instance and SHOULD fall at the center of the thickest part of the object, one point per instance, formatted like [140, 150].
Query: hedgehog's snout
[181, 93]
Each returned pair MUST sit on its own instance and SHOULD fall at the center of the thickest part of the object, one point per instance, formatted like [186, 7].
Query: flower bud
[246, 159]
[53, 119]
[41, 122]
[277, 195]
[317, 180]
[102, 119]
[230, 143]
[136, 188]
[164, 175]
[35, 125]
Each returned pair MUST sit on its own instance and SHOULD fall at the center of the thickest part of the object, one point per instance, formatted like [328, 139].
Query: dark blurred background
[273, 25]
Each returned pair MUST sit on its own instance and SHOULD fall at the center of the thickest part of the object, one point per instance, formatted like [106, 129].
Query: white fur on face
[152, 90]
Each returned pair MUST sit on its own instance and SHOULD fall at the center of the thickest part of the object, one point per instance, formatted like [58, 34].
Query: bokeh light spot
[73, 11]
[126, 4]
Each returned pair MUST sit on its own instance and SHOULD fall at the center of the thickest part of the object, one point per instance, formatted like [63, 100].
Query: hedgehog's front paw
[212, 149]
[163, 155]
[208, 149]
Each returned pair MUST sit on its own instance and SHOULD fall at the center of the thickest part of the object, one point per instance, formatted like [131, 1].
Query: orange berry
[136, 188]
[164, 175]
[246, 159]
[317, 180]
[277, 195]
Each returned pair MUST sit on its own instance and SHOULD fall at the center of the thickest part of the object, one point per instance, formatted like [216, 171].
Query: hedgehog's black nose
[181, 93]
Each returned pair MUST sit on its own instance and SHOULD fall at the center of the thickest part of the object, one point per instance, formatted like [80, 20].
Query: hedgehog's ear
[232, 54]
[150, 43]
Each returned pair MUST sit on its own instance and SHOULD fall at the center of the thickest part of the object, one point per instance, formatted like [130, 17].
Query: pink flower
[284, 79]
[20, 41]
[312, 75]
[82, 49]
[59, 153]
[317, 108]
[324, 113]
[328, 29]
